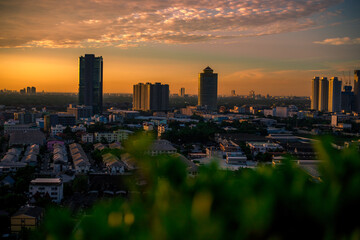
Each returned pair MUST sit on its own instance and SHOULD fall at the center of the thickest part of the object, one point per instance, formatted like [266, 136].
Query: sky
[270, 46]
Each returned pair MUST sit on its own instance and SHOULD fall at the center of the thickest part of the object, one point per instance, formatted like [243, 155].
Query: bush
[280, 202]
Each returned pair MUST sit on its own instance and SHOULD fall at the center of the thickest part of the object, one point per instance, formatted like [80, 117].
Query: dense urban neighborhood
[74, 158]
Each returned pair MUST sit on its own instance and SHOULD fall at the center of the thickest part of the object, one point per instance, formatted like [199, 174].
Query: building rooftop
[25, 138]
[31, 211]
[46, 181]
[162, 145]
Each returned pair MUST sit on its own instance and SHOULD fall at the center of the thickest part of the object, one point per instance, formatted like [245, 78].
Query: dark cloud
[98, 23]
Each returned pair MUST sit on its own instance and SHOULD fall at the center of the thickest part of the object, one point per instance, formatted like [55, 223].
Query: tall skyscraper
[182, 92]
[233, 93]
[91, 82]
[334, 104]
[315, 93]
[207, 95]
[33, 90]
[357, 90]
[151, 97]
[323, 94]
[347, 99]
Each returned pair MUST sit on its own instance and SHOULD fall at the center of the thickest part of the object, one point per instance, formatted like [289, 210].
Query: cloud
[95, 23]
[339, 41]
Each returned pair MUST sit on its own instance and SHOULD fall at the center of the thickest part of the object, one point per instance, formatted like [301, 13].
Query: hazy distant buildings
[323, 94]
[151, 97]
[252, 94]
[91, 82]
[315, 93]
[182, 92]
[207, 92]
[334, 104]
[28, 90]
[233, 94]
[357, 90]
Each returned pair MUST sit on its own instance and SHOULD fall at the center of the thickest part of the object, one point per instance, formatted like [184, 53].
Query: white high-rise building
[334, 104]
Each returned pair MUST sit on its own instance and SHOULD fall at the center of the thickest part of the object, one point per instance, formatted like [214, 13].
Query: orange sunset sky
[273, 47]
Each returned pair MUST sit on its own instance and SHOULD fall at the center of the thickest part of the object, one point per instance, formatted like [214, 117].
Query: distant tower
[91, 82]
[347, 99]
[357, 90]
[182, 92]
[151, 97]
[334, 95]
[315, 93]
[207, 95]
[323, 94]
[33, 90]
[252, 94]
[233, 94]
[28, 90]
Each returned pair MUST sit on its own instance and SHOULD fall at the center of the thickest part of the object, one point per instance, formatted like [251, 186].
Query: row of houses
[11, 161]
[81, 161]
[60, 158]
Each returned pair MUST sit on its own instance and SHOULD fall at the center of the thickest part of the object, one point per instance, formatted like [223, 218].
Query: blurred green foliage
[281, 202]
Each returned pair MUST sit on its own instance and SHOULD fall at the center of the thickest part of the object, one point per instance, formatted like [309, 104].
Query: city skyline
[273, 48]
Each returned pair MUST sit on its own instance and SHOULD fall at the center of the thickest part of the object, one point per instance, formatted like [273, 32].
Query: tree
[80, 183]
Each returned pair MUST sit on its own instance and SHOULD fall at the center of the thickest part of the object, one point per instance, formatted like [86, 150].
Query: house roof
[32, 137]
[46, 181]
[191, 167]
[162, 145]
[31, 211]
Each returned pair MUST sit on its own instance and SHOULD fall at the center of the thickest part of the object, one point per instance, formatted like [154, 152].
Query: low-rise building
[263, 147]
[87, 137]
[47, 187]
[27, 138]
[107, 136]
[81, 161]
[80, 128]
[28, 217]
[161, 147]
[122, 134]
[116, 136]
[113, 164]
[237, 158]
[57, 129]
[19, 128]
[148, 126]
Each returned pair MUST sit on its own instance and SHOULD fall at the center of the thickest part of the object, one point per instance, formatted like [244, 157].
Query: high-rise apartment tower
[151, 97]
[207, 92]
[334, 104]
[91, 82]
[315, 93]
[323, 94]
